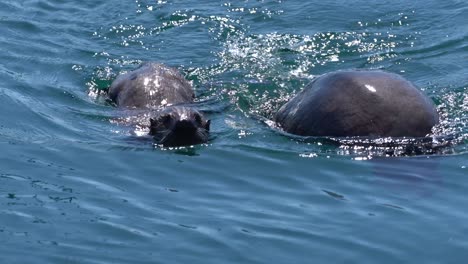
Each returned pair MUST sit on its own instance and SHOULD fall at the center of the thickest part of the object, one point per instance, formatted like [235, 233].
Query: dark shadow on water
[416, 177]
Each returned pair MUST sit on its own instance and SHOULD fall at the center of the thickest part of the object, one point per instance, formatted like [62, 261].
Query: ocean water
[77, 186]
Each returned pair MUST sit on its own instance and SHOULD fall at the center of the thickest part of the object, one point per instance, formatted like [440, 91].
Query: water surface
[78, 187]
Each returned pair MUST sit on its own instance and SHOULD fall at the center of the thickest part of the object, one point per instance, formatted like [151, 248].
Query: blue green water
[77, 186]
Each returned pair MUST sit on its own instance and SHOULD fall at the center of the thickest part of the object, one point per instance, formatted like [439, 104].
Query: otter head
[179, 126]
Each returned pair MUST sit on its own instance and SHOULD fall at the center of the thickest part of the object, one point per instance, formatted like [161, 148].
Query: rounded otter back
[150, 86]
[359, 103]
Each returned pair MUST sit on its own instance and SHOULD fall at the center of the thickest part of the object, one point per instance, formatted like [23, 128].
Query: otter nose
[185, 126]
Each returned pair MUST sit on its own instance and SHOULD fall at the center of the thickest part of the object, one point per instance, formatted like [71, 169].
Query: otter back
[359, 103]
[150, 86]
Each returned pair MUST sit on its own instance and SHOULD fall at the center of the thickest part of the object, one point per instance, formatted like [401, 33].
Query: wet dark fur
[179, 126]
[359, 103]
[166, 93]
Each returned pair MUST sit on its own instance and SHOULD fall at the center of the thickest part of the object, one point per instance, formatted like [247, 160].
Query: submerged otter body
[359, 103]
[166, 94]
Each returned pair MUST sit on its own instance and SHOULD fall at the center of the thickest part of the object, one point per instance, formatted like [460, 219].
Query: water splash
[258, 72]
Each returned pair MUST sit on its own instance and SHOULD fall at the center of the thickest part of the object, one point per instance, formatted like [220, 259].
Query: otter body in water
[166, 94]
[359, 103]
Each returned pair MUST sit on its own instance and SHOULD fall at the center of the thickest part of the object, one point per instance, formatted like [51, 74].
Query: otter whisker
[167, 136]
[202, 133]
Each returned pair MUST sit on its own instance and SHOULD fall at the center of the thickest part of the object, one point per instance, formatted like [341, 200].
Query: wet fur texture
[359, 103]
[166, 94]
[179, 126]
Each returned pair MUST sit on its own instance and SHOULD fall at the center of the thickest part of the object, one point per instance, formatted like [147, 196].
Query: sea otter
[167, 95]
[358, 103]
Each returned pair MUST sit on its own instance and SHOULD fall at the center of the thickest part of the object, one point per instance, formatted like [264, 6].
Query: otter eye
[165, 120]
[198, 118]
